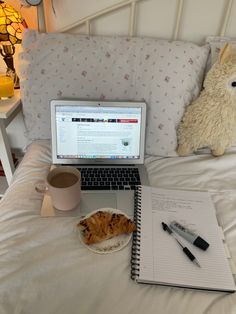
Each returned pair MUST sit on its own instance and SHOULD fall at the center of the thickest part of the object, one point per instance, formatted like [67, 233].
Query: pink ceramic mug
[63, 184]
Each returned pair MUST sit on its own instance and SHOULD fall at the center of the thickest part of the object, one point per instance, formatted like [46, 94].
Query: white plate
[111, 245]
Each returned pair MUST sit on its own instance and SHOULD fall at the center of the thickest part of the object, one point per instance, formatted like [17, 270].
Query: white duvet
[45, 269]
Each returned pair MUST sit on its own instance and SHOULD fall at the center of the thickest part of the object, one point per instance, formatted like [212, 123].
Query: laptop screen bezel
[96, 103]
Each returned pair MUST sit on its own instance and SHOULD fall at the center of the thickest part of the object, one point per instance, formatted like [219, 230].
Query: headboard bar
[87, 20]
[41, 17]
[226, 19]
[132, 18]
[88, 27]
[179, 14]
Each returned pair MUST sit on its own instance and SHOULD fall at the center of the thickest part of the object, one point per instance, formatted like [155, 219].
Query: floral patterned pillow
[167, 75]
[216, 43]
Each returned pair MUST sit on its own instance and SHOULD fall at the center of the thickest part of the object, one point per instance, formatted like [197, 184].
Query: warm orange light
[11, 25]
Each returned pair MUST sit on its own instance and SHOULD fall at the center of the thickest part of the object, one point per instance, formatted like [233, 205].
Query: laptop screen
[108, 131]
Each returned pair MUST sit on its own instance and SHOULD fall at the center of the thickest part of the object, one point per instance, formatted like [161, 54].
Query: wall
[16, 129]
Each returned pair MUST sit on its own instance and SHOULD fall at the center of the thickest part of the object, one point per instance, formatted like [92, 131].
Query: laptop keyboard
[109, 178]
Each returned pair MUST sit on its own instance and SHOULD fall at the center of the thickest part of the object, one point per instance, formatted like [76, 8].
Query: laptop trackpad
[92, 200]
[123, 200]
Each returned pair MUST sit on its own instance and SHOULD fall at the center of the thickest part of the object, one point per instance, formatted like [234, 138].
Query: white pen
[185, 249]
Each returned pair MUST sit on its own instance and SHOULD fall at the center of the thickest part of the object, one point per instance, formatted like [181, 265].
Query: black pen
[185, 249]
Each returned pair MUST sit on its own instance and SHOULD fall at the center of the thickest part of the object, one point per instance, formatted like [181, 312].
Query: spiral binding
[135, 254]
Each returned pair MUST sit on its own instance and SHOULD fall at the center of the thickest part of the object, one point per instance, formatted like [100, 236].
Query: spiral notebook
[156, 256]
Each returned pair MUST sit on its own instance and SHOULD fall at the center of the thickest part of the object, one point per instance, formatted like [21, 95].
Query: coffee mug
[63, 184]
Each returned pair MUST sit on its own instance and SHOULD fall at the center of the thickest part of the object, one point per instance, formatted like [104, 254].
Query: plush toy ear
[225, 53]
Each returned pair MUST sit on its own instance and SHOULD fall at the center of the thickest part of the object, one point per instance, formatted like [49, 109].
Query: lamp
[11, 27]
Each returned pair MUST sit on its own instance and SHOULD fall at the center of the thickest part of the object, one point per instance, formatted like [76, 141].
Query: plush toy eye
[233, 84]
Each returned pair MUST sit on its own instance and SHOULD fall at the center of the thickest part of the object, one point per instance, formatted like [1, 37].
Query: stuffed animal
[210, 121]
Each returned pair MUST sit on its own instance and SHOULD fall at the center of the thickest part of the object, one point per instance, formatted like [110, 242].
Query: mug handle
[41, 187]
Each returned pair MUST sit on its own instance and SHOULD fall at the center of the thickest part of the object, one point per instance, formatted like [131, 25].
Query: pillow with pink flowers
[166, 75]
[216, 43]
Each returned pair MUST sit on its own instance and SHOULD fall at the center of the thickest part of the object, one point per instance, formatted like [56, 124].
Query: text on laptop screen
[98, 132]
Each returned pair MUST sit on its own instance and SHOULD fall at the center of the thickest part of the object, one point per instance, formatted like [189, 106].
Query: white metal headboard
[227, 16]
[132, 4]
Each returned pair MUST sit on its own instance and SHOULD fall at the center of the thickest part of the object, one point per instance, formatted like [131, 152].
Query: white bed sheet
[45, 269]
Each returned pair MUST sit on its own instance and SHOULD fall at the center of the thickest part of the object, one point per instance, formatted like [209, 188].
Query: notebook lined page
[162, 259]
[147, 270]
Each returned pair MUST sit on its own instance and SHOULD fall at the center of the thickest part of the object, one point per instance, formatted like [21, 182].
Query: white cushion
[216, 43]
[167, 75]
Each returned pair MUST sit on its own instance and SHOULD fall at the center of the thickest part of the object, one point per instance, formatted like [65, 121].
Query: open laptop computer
[105, 141]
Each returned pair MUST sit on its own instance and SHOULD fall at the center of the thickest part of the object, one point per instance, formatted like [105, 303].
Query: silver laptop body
[99, 136]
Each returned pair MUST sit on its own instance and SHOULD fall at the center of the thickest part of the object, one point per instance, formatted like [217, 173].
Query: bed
[44, 268]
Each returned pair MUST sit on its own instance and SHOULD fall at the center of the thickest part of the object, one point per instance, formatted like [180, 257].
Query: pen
[189, 235]
[185, 249]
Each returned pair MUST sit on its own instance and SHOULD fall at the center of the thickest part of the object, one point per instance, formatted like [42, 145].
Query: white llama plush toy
[211, 119]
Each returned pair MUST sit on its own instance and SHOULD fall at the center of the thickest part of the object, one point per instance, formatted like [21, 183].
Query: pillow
[167, 75]
[171, 78]
[216, 43]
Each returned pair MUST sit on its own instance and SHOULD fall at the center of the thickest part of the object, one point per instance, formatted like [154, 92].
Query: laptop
[105, 141]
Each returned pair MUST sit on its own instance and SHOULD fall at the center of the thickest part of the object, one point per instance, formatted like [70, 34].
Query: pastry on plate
[104, 225]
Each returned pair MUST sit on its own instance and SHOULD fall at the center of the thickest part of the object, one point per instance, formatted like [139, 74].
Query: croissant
[104, 225]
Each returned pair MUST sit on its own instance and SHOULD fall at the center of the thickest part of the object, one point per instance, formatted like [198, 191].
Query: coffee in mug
[64, 187]
[63, 180]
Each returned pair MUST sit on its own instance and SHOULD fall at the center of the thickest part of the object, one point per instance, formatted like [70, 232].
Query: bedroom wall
[156, 18]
